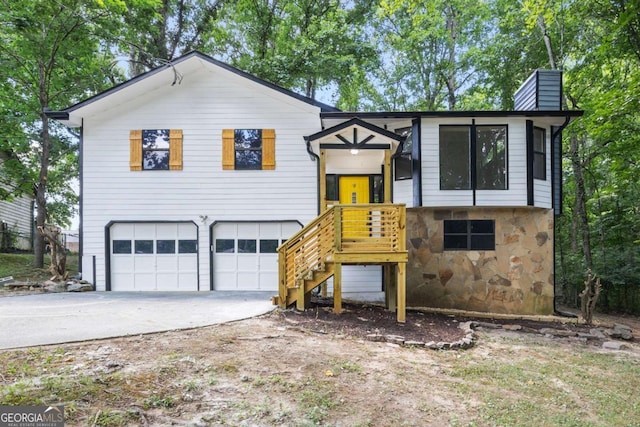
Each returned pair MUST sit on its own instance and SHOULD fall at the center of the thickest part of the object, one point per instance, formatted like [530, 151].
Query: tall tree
[165, 29]
[429, 46]
[305, 45]
[50, 55]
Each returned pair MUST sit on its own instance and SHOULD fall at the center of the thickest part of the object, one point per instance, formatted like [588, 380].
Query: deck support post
[401, 284]
[337, 288]
[389, 287]
[303, 299]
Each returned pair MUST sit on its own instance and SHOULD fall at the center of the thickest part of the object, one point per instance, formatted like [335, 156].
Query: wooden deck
[362, 234]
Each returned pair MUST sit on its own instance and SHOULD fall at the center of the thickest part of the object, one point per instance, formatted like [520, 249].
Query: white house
[193, 174]
[16, 217]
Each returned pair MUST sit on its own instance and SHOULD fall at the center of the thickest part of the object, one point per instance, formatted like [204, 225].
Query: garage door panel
[154, 261]
[269, 281]
[247, 230]
[167, 231]
[144, 231]
[187, 231]
[166, 281]
[250, 260]
[122, 231]
[144, 281]
[186, 280]
[187, 263]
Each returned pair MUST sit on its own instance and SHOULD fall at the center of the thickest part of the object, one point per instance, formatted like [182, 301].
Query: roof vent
[542, 91]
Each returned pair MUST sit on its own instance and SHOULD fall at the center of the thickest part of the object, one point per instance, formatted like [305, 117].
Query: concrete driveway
[68, 317]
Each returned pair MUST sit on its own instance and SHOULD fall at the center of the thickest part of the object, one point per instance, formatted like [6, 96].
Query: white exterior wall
[515, 195]
[403, 192]
[202, 105]
[17, 214]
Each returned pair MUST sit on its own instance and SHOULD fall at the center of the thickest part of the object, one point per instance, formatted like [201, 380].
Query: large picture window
[489, 157]
[539, 154]
[467, 235]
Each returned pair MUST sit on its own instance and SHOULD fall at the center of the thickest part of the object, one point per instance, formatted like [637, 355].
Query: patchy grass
[208, 376]
[20, 266]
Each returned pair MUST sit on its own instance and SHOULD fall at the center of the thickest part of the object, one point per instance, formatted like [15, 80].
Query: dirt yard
[317, 368]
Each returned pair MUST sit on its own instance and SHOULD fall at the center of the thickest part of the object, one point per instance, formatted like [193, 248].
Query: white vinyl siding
[18, 216]
[359, 278]
[403, 192]
[202, 105]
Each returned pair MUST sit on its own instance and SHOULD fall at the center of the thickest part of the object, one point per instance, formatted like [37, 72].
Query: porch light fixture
[354, 151]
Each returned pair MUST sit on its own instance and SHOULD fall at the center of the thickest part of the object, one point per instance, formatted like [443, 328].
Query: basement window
[469, 235]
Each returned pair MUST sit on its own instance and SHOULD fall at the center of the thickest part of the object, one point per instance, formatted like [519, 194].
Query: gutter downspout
[557, 133]
[315, 158]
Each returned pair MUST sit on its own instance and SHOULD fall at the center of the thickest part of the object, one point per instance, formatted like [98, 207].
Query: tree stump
[58, 265]
[589, 297]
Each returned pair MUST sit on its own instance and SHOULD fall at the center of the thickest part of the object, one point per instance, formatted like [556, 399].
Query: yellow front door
[354, 190]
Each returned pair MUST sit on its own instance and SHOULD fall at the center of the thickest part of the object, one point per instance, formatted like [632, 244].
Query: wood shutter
[228, 149]
[175, 149]
[268, 149]
[135, 150]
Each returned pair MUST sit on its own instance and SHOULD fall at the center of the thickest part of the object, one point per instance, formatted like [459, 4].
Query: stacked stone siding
[516, 278]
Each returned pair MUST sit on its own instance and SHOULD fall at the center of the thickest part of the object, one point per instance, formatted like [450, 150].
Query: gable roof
[354, 122]
[65, 114]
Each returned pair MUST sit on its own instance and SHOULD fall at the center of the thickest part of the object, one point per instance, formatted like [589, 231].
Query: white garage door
[245, 255]
[154, 257]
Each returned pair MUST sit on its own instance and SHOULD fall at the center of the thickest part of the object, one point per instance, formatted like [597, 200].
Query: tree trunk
[580, 207]
[450, 78]
[41, 187]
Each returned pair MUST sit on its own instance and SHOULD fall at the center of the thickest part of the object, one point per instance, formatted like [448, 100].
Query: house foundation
[516, 277]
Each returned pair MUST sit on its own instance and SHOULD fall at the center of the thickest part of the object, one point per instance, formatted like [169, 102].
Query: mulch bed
[360, 320]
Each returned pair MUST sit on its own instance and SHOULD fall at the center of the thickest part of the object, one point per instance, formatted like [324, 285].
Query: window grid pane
[248, 149]
[246, 246]
[166, 246]
[268, 246]
[187, 246]
[225, 246]
[469, 235]
[455, 164]
[121, 246]
[491, 158]
[539, 154]
[144, 246]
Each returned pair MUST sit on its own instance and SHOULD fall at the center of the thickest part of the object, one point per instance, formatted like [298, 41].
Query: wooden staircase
[362, 234]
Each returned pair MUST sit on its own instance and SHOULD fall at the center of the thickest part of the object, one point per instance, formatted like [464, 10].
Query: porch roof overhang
[353, 134]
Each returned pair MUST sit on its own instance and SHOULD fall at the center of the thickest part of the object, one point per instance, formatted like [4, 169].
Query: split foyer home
[197, 176]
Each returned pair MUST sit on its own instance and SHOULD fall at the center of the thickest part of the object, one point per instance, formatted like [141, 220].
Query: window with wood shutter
[155, 149]
[248, 149]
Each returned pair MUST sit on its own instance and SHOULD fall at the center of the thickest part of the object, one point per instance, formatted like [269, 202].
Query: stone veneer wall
[517, 277]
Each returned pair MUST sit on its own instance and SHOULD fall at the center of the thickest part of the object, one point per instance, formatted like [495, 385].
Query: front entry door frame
[386, 177]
